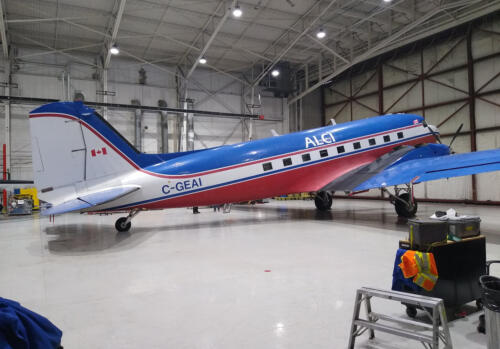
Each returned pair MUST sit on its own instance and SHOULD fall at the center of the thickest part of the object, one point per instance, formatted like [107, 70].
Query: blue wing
[414, 165]
[432, 168]
[90, 199]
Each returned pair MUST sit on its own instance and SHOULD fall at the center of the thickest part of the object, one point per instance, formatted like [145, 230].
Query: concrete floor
[278, 275]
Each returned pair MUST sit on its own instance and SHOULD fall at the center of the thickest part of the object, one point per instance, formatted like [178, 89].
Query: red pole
[5, 175]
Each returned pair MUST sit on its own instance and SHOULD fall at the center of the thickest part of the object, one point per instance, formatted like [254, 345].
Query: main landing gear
[323, 200]
[405, 204]
[123, 224]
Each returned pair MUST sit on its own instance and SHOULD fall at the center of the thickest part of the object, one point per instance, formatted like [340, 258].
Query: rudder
[72, 144]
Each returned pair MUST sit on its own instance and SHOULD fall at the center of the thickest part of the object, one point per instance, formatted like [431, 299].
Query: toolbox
[464, 227]
[425, 232]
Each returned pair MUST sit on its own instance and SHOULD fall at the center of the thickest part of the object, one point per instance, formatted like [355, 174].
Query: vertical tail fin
[71, 143]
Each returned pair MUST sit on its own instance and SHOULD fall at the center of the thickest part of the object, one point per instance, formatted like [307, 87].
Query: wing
[415, 165]
[90, 199]
[422, 170]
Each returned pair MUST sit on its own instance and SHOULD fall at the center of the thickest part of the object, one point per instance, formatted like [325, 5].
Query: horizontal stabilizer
[428, 169]
[68, 206]
[90, 199]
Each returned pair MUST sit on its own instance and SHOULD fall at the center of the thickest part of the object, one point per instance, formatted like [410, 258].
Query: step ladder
[429, 335]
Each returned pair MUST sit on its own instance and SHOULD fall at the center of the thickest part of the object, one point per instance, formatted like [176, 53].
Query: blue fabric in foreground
[20, 328]
[399, 282]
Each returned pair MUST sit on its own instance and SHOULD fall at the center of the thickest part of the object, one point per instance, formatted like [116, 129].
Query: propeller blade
[436, 136]
[456, 134]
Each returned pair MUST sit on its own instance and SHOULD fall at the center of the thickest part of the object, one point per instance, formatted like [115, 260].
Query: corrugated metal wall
[451, 82]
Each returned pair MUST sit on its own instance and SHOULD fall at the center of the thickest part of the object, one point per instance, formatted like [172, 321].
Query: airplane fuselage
[297, 162]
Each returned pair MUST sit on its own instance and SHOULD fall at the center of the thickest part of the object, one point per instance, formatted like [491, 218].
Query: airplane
[82, 164]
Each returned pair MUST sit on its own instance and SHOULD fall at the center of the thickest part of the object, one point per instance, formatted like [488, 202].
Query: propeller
[456, 135]
[438, 139]
[436, 136]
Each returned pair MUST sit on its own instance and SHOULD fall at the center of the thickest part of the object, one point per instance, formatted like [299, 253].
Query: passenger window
[323, 153]
[287, 162]
[400, 135]
[387, 138]
[357, 145]
[371, 141]
[267, 166]
[306, 157]
[341, 149]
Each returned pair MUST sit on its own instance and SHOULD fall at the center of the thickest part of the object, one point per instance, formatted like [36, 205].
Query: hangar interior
[177, 75]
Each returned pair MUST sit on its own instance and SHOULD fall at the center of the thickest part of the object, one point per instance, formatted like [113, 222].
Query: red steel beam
[441, 72]
[472, 104]
[452, 115]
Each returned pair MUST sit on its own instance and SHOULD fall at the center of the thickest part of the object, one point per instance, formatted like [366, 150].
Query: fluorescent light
[237, 12]
[114, 50]
[203, 60]
[387, 0]
[275, 72]
[320, 34]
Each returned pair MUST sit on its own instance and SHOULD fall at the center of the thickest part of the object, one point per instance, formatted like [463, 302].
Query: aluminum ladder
[429, 335]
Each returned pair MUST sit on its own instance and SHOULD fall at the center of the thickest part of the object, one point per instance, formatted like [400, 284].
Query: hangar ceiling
[179, 32]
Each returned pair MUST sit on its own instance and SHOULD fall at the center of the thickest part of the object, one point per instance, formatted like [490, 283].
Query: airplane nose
[434, 129]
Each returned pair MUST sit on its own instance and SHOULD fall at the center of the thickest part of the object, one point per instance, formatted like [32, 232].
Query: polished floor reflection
[276, 275]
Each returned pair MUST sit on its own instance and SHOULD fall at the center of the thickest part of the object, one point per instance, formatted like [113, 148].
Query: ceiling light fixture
[114, 50]
[321, 33]
[203, 60]
[275, 72]
[237, 12]
[387, 0]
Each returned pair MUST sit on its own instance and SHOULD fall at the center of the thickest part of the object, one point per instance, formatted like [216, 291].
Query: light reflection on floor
[277, 275]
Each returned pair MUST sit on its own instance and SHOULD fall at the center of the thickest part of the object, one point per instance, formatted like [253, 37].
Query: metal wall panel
[452, 81]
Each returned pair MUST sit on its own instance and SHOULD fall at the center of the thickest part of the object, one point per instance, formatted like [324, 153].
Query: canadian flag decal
[96, 152]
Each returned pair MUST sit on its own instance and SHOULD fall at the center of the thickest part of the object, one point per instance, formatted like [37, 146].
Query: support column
[138, 125]
[187, 127]
[380, 76]
[380, 81]
[472, 104]
[163, 127]
[68, 83]
[422, 80]
[250, 126]
[7, 110]
[350, 95]
[105, 94]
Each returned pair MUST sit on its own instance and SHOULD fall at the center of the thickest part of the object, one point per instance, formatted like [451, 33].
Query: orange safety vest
[421, 266]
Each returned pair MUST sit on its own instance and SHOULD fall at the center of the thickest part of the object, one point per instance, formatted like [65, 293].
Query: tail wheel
[404, 206]
[121, 224]
[323, 200]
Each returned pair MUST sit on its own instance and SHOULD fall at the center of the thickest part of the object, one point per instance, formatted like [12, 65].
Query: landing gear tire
[121, 226]
[404, 208]
[323, 200]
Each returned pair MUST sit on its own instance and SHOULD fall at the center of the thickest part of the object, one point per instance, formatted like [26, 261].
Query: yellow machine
[33, 193]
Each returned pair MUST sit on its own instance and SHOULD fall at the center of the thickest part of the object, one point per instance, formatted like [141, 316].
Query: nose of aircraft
[434, 130]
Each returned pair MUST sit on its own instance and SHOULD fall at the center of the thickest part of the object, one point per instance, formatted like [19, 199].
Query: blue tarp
[20, 328]
[399, 282]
